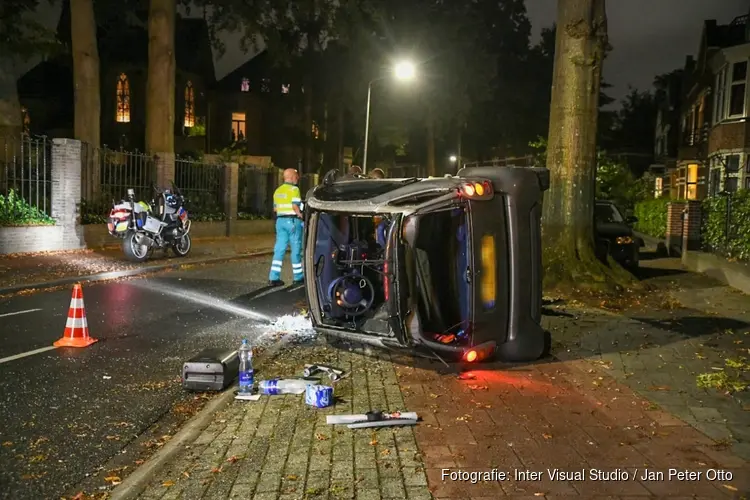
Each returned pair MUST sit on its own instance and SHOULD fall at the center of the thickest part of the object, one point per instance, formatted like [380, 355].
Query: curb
[112, 275]
[138, 481]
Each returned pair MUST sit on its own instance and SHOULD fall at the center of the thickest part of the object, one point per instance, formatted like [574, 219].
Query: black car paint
[608, 234]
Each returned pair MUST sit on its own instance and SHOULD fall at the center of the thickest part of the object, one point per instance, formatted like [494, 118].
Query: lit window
[245, 86]
[265, 85]
[692, 182]
[315, 130]
[123, 99]
[238, 127]
[659, 187]
[285, 88]
[189, 105]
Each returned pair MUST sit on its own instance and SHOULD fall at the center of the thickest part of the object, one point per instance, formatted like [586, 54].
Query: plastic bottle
[247, 374]
[285, 386]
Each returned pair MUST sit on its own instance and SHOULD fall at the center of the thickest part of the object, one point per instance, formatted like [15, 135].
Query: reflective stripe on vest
[284, 199]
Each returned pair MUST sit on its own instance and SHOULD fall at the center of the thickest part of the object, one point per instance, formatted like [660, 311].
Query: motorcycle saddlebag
[210, 370]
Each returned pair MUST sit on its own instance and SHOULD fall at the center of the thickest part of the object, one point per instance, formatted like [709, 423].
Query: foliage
[251, 216]
[652, 217]
[615, 182]
[94, 212]
[21, 33]
[199, 129]
[733, 381]
[736, 244]
[16, 211]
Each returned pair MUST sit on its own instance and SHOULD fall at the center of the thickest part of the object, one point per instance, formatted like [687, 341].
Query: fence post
[674, 227]
[691, 233]
[231, 189]
[66, 191]
[165, 169]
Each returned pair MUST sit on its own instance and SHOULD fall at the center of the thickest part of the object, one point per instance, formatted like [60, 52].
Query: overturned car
[447, 266]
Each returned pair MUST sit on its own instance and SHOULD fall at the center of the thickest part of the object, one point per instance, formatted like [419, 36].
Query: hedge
[652, 217]
[714, 228]
[16, 211]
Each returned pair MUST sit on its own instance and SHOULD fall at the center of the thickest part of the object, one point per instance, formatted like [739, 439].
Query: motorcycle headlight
[624, 240]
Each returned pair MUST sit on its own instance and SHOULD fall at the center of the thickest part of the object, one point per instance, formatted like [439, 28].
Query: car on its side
[447, 266]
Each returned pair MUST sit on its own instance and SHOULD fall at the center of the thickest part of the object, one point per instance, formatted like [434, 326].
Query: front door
[488, 271]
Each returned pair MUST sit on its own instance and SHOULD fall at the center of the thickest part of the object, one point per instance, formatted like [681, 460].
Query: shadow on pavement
[695, 326]
[647, 273]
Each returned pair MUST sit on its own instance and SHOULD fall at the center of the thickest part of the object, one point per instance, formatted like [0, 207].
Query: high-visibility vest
[285, 197]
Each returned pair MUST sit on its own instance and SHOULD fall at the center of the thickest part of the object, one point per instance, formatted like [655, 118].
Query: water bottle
[247, 373]
[285, 386]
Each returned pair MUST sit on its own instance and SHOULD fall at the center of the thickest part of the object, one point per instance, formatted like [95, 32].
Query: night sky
[648, 36]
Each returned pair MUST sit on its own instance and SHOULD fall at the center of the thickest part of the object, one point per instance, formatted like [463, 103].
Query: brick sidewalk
[280, 448]
[555, 416]
[38, 268]
[534, 417]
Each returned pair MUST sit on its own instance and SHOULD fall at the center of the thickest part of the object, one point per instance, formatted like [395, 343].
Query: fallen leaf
[38, 458]
[233, 459]
[385, 452]
[216, 470]
[292, 477]
[186, 474]
[139, 462]
[373, 442]
[547, 436]
[321, 437]
[113, 438]
[167, 484]
[729, 487]
[738, 342]
[478, 387]
[659, 388]
[113, 479]
[433, 396]
[8, 443]
[467, 376]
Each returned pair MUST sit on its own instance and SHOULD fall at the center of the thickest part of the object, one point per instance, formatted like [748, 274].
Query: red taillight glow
[119, 215]
[471, 356]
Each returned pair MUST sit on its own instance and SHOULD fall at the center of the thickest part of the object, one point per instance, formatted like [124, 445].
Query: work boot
[276, 283]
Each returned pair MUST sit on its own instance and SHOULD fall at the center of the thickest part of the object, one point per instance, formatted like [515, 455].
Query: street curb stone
[138, 481]
[112, 275]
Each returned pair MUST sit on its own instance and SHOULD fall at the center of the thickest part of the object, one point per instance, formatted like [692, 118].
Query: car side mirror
[631, 219]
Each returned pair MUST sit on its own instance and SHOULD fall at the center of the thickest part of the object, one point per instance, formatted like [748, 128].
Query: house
[666, 134]
[46, 91]
[714, 132]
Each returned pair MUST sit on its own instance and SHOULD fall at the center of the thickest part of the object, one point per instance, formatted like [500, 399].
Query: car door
[488, 271]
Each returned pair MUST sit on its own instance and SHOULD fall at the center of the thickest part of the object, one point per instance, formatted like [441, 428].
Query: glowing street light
[453, 158]
[402, 71]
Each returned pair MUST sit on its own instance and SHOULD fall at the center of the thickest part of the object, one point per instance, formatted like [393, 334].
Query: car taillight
[479, 353]
[386, 281]
[476, 190]
[119, 214]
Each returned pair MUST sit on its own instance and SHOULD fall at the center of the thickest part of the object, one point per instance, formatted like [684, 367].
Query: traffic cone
[76, 329]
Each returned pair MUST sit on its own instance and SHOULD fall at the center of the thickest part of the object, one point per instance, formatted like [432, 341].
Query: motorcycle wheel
[182, 247]
[132, 250]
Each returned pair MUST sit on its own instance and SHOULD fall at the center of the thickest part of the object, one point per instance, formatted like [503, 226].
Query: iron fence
[203, 187]
[106, 176]
[255, 190]
[26, 174]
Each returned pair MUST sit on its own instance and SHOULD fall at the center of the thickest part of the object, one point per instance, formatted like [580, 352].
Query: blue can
[319, 396]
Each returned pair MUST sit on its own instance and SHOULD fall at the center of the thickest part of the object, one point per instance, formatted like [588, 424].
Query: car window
[605, 213]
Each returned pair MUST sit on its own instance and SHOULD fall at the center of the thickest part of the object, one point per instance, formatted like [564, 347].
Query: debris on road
[297, 326]
[210, 370]
[319, 396]
[374, 418]
[334, 374]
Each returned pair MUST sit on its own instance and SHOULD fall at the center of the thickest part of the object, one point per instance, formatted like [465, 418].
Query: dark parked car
[448, 266]
[614, 234]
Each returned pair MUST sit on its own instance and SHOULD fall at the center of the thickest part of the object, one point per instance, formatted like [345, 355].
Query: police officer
[287, 201]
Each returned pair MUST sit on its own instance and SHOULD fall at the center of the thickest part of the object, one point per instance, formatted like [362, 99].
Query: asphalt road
[67, 411]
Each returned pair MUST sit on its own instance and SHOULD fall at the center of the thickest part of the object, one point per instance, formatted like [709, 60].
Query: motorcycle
[144, 229]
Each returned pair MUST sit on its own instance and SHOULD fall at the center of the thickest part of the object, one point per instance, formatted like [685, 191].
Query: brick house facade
[714, 138]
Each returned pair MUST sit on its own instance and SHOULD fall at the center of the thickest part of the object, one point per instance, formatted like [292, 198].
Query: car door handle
[468, 275]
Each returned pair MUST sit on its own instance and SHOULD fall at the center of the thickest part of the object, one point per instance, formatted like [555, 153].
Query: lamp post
[402, 71]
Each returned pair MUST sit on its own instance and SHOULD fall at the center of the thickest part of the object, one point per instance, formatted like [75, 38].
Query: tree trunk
[87, 112]
[568, 217]
[161, 78]
[430, 143]
[11, 122]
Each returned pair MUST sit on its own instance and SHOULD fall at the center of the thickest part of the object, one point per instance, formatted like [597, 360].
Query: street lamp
[453, 158]
[402, 71]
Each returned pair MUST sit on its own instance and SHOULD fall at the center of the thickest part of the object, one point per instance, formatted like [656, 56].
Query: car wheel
[133, 251]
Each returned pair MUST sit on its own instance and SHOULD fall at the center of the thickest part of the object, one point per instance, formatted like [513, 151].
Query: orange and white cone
[77, 328]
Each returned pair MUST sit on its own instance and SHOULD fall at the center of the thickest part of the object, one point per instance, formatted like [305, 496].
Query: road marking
[28, 353]
[19, 312]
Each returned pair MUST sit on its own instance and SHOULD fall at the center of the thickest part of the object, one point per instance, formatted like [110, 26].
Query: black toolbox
[210, 370]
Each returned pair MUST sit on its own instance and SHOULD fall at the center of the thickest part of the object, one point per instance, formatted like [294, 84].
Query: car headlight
[624, 240]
